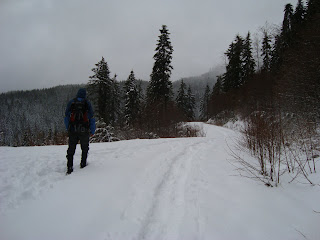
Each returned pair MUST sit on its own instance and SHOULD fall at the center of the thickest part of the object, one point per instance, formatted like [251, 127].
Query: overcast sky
[44, 43]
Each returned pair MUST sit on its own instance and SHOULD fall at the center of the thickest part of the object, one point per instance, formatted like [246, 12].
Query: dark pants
[74, 138]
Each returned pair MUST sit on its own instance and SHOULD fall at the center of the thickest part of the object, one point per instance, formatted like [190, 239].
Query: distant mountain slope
[33, 113]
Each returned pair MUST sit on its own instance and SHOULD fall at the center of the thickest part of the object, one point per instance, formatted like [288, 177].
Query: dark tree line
[289, 76]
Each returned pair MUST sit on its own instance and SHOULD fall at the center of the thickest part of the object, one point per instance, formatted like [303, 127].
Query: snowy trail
[168, 205]
[147, 189]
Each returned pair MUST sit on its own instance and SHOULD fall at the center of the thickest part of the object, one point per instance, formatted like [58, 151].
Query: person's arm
[67, 115]
[92, 121]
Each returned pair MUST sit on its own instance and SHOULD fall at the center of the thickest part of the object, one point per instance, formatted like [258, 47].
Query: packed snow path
[147, 189]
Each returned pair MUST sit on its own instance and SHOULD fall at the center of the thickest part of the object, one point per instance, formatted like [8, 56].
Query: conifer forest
[271, 81]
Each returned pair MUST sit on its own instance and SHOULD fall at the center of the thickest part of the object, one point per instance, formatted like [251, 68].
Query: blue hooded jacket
[81, 96]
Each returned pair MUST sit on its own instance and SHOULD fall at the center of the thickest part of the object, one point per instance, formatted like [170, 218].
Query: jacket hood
[82, 93]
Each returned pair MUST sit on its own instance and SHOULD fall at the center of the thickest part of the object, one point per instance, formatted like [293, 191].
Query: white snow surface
[149, 189]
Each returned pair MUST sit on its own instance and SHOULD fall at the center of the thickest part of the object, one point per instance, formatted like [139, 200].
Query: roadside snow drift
[148, 189]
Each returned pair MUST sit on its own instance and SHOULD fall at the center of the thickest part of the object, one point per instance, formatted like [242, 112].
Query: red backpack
[79, 121]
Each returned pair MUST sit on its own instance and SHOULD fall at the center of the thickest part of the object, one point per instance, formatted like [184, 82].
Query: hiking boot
[70, 170]
[83, 165]
[70, 162]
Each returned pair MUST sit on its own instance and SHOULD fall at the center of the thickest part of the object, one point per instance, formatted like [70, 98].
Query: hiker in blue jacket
[80, 124]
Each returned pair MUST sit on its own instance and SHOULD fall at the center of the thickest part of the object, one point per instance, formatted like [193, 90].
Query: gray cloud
[49, 42]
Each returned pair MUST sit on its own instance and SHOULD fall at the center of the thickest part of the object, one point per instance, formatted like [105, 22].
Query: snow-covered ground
[149, 189]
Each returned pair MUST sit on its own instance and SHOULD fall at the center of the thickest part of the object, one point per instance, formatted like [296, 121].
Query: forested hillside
[34, 117]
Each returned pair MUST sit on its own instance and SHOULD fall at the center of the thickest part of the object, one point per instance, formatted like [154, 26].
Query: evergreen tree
[276, 54]
[248, 60]
[115, 102]
[286, 30]
[141, 101]
[266, 51]
[233, 77]
[291, 21]
[217, 88]
[159, 105]
[181, 99]
[141, 96]
[191, 104]
[313, 8]
[186, 101]
[99, 89]
[227, 76]
[204, 105]
[272, 56]
[299, 15]
[132, 101]
[160, 87]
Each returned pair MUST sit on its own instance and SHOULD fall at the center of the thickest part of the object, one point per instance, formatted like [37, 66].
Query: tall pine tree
[218, 88]
[99, 90]
[248, 60]
[159, 102]
[233, 77]
[186, 101]
[115, 102]
[313, 8]
[132, 101]
[299, 15]
[286, 31]
[191, 104]
[160, 87]
[181, 99]
[266, 51]
[276, 53]
[204, 105]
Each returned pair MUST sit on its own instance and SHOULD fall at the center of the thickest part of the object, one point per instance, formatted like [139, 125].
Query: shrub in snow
[188, 130]
[223, 118]
[278, 148]
[104, 133]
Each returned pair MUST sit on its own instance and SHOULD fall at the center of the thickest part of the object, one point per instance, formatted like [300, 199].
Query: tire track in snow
[193, 220]
[165, 215]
